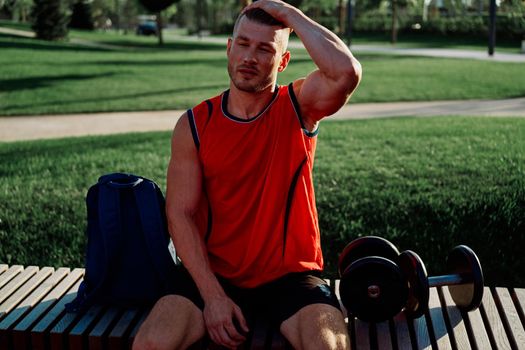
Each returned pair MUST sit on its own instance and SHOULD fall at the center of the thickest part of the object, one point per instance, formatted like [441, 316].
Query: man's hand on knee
[221, 316]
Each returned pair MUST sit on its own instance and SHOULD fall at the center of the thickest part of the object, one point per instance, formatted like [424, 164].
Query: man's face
[256, 53]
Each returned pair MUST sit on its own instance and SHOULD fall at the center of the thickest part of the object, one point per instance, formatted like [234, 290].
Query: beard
[255, 84]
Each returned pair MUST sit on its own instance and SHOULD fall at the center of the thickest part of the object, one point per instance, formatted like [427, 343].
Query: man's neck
[246, 105]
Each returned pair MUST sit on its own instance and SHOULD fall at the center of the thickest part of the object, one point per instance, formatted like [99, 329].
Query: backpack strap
[153, 227]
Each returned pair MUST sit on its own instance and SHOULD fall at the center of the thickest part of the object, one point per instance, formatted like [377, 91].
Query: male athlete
[240, 198]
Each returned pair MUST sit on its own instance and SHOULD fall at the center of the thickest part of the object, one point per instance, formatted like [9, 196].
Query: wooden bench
[32, 316]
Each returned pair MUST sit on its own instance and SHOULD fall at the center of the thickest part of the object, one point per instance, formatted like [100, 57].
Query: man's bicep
[320, 97]
[184, 178]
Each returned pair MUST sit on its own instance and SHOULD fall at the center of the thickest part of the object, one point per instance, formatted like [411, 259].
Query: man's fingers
[241, 321]
[221, 337]
[234, 333]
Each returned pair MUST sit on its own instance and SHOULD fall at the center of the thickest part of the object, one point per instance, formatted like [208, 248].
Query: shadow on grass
[33, 83]
[215, 62]
[126, 45]
[189, 46]
[35, 44]
[12, 152]
[113, 98]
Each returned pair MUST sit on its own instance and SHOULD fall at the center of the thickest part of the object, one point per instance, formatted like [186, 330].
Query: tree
[18, 10]
[50, 19]
[156, 7]
[81, 18]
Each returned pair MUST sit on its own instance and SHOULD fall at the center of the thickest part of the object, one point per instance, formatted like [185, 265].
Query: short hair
[260, 16]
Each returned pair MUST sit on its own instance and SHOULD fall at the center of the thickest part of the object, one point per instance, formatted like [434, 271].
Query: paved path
[53, 126]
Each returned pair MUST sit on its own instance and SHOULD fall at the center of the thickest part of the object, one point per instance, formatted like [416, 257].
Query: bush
[50, 19]
[509, 26]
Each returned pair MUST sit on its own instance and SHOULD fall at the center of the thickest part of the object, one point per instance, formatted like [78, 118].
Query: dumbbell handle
[445, 280]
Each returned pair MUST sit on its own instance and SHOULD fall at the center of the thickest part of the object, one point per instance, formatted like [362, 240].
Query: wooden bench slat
[384, 339]
[49, 300]
[117, 337]
[21, 310]
[38, 332]
[3, 267]
[362, 334]
[511, 319]
[421, 333]
[495, 324]
[480, 337]
[438, 321]
[135, 329]
[78, 335]
[96, 337]
[277, 341]
[16, 282]
[57, 337]
[259, 335]
[25, 289]
[457, 325]
[10, 274]
[519, 297]
[402, 332]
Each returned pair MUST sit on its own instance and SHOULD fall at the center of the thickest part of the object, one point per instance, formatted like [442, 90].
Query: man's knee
[174, 322]
[145, 341]
[317, 326]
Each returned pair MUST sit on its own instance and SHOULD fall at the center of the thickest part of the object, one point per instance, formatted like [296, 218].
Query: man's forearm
[191, 250]
[330, 54]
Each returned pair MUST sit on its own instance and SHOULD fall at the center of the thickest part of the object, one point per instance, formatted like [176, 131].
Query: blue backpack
[127, 258]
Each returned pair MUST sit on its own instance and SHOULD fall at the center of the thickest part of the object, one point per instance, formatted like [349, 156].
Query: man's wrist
[211, 290]
[292, 16]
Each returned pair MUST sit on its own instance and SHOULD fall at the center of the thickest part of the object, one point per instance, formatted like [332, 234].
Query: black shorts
[276, 301]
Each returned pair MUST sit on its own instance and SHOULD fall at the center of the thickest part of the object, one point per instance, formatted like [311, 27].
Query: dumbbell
[377, 286]
[372, 285]
[464, 279]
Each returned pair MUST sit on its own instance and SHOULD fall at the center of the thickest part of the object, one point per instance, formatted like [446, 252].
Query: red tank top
[259, 218]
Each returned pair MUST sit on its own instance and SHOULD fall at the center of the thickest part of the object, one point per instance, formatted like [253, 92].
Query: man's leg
[316, 326]
[174, 323]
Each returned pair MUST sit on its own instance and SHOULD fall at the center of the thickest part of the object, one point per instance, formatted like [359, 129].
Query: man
[240, 200]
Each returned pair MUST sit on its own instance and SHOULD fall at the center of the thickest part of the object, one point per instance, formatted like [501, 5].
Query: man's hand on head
[276, 8]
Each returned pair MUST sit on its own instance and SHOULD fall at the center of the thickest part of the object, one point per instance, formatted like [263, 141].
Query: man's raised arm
[324, 91]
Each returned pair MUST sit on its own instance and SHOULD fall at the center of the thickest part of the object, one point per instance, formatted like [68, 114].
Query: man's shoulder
[205, 108]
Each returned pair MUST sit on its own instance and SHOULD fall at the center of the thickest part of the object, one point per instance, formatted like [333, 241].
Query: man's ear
[228, 46]
[285, 58]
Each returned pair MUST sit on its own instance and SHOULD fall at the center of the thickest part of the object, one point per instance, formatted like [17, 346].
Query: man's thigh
[291, 293]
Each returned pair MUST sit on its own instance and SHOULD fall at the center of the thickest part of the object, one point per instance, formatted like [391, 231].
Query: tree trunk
[117, 16]
[492, 27]
[341, 17]
[394, 22]
[159, 28]
[349, 19]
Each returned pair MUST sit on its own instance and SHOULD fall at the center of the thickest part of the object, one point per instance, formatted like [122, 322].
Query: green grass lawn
[426, 184]
[38, 77]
